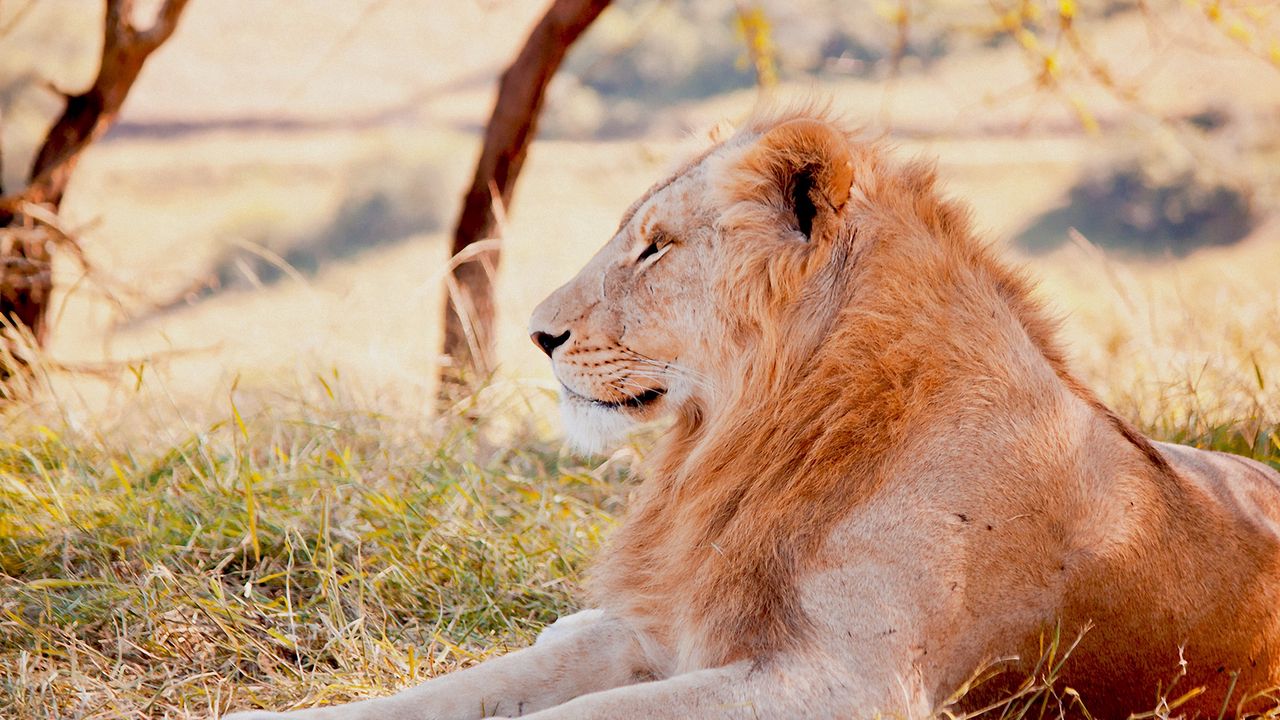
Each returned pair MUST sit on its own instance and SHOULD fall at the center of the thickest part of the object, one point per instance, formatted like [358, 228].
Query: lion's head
[736, 254]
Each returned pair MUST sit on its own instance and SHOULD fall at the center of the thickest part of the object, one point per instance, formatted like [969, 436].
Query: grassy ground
[312, 551]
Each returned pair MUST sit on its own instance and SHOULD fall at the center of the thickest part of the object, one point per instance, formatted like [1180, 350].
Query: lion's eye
[659, 244]
[648, 252]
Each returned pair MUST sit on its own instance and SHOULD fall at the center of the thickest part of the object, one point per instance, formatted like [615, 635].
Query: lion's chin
[592, 428]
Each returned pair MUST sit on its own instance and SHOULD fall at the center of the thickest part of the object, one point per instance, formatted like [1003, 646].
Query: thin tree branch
[165, 23]
[28, 226]
[90, 114]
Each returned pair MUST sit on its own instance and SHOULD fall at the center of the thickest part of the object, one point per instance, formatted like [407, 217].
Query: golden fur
[826, 415]
[880, 474]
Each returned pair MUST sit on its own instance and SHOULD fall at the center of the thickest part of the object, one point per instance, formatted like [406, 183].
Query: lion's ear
[811, 169]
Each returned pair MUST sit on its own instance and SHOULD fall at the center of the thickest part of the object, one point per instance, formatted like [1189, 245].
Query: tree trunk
[26, 282]
[469, 312]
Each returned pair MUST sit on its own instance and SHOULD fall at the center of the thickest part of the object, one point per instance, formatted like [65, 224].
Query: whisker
[666, 372]
[631, 383]
[678, 371]
[638, 366]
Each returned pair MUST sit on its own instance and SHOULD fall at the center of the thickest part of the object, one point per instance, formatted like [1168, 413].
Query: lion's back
[1215, 565]
[1245, 489]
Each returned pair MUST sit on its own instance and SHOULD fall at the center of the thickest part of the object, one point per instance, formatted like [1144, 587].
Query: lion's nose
[549, 342]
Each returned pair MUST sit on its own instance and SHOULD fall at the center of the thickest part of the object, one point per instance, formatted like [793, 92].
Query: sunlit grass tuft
[296, 554]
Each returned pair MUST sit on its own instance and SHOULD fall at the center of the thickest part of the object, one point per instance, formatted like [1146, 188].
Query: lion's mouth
[633, 402]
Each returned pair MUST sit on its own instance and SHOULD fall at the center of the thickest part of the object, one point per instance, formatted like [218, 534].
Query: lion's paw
[568, 624]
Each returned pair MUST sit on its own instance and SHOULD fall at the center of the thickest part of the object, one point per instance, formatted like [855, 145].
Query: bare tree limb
[468, 341]
[28, 226]
[162, 28]
[90, 114]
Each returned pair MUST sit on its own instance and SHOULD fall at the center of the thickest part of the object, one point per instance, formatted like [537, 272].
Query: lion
[879, 476]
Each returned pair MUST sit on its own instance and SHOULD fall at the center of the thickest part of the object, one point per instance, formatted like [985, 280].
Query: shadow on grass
[1125, 210]
[372, 215]
[361, 223]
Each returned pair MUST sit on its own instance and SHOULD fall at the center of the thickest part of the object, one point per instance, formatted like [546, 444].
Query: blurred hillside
[278, 192]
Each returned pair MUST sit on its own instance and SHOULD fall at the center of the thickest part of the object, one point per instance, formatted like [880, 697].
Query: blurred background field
[227, 484]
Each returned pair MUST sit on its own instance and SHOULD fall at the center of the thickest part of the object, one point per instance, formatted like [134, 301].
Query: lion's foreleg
[748, 691]
[590, 654]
